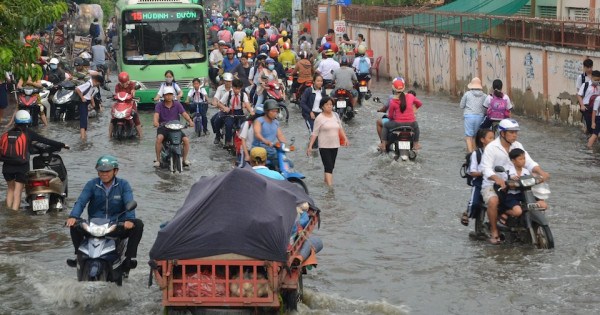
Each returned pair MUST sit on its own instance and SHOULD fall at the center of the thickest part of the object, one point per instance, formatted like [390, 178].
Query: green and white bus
[151, 34]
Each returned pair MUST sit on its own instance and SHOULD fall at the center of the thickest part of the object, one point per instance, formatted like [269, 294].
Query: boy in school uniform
[583, 96]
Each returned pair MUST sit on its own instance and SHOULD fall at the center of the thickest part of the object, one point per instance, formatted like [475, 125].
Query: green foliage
[279, 9]
[390, 2]
[28, 16]
[108, 7]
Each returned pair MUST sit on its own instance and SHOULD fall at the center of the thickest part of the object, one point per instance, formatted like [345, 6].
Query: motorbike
[197, 117]
[286, 166]
[240, 52]
[532, 226]
[289, 82]
[401, 140]
[28, 97]
[329, 86]
[122, 113]
[273, 91]
[343, 104]
[47, 185]
[66, 102]
[171, 154]
[363, 90]
[101, 255]
[45, 95]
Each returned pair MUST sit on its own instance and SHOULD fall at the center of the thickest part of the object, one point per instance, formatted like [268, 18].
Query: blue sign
[344, 2]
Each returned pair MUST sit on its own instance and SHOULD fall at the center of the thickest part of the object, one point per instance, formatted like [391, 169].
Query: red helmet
[273, 53]
[273, 38]
[123, 77]
[398, 84]
[286, 45]
[267, 25]
[230, 51]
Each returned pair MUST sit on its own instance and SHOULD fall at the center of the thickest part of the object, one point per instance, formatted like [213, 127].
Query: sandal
[464, 220]
[502, 219]
[495, 240]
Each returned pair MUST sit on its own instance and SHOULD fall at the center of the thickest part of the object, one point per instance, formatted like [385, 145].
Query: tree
[24, 16]
[279, 9]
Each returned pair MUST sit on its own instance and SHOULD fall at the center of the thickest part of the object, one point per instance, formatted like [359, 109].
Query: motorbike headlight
[528, 182]
[120, 114]
[174, 126]
[98, 230]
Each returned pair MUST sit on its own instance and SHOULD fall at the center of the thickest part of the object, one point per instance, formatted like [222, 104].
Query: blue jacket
[228, 66]
[94, 193]
[307, 100]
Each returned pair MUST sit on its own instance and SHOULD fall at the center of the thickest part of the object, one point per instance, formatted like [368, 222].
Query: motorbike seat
[67, 85]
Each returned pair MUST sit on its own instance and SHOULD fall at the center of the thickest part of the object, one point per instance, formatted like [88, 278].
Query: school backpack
[464, 169]
[14, 147]
[497, 110]
[363, 66]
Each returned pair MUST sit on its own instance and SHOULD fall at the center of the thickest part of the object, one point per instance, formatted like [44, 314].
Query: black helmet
[78, 61]
[269, 105]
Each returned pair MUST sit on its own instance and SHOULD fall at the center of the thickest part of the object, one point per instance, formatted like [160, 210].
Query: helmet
[78, 61]
[269, 60]
[344, 61]
[123, 77]
[326, 46]
[22, 117]
[284, 33]
[273, 38]
[398, 84]
[328, 38]
[303, 54]
[508, 125]
[240, 27]
[270, 104]
[329, 53]
[86, 62]
[262, 56]
[168, 90]
[53, 61]
[274, 53]
[261, 26]
[107, 163]
[267, 25]
[230, 51]
[248, 32]
[222, 43]
[286, 46]
[227, 76]
[361, 49]
[264, 48]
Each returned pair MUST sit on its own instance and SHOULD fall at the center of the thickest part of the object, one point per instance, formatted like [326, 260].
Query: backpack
[464, 169]
[363, 66]
[497, 109]
[14, 147]
[242, 94]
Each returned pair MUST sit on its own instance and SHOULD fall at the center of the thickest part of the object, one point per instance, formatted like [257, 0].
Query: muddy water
[393, 242]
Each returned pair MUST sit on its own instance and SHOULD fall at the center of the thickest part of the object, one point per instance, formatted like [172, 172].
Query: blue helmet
[264, 48]
[269, 60]
[326, 46]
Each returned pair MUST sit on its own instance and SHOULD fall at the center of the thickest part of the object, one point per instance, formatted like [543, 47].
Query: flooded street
[393, 241]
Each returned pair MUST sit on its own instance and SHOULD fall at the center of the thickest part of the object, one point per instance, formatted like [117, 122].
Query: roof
[449, 23]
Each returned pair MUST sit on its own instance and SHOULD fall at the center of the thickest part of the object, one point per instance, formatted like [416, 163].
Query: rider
[258, 156]
[362, 66]
[232, 104]
[287, 58]
[284, 39]
[249, 42]
[304, 69]
[106, 197]
[496, 154]
[166, 111]
[274, 54]
[198, 96]
[100, 55]
[221, 90]
[16, 165]
[327, 66]
[40, 108]
[128, 87]
[55, 75]
[231, 61]
[344, 78]
[401, 113]
[267, 130]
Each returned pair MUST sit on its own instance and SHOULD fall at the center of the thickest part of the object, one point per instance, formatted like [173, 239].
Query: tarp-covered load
[240, 212]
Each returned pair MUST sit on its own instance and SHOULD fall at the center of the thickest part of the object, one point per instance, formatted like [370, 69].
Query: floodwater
[393, 241]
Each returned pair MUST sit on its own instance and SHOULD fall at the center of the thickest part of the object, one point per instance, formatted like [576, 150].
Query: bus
[152, 34]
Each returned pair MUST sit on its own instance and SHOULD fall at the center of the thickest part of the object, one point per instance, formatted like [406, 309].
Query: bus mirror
[138, 86]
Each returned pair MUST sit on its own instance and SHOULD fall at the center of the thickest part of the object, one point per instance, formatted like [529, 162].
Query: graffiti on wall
[470, 61]
[416, 58]
[572, 68]
[528, 63]
[439, 60]
[396, 54]
[495, 64]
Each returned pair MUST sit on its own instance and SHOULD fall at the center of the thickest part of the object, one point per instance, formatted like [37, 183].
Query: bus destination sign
[139, 16]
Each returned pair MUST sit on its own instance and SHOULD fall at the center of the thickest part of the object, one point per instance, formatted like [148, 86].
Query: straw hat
[475, 84]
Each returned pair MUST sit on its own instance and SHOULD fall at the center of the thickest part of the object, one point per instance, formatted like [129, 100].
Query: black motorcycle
[66, 102]
[171, 154]
[362, 87]
[343, 104]
[532, 226]
[401, 141]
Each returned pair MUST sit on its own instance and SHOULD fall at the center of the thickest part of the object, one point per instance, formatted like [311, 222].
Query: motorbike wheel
[283, 113]
[177, 163]
[120, 134]
[102, 275]
[396, 151]
[412, 155]
[543, 236]
[298, 182]
[291, 298]
[198, 126]
[480, 228]
[119, 276]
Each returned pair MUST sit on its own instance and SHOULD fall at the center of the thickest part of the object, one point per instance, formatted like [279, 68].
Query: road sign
[339, 26]
[344, 2]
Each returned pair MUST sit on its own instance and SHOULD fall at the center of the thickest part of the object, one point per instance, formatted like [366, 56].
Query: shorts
[384, 120]
[165, 132]
[512, 200]
[472, 123]
[328, 156]
[15, 172]
[487, 193]
[3, 96]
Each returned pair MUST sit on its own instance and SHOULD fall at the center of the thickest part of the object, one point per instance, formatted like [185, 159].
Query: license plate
[328, 91]
[289, 82]
[239, 55]
[341, 104]
[362, 89]
[404, 145]
[41, 204]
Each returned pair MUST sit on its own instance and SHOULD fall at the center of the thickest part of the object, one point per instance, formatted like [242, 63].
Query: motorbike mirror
[138, 86]
[499, 169]
[131, 205]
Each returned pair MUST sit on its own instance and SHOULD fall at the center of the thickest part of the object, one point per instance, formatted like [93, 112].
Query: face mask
[271, 67]
[53, 67]
[169, 80]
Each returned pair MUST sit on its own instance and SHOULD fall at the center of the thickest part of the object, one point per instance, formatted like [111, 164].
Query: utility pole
[296, 9]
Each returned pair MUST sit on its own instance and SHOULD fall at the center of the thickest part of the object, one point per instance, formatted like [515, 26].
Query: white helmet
[227, 76]
[22, 117]
[508, 125]
[53, 61]
[168, 90]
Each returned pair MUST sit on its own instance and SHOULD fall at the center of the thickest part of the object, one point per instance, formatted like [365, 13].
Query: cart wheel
[291, 298]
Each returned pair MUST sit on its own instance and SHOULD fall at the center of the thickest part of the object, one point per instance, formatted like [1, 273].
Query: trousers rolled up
[390, 125]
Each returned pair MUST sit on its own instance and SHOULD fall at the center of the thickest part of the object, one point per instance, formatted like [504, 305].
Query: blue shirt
[268, 131]
[265, 171]
[229, 65]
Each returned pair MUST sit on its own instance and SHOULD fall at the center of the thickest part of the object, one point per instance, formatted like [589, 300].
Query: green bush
[279, 9]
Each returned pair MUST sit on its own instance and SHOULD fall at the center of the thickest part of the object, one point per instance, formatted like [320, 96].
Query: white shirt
[326, 67]
[88, 89]
[198, 98]
[247, 132]
[243, 98]
[475, 166]
[318, 97]
[174, 85]
[220, 91]
[215, 57]
[324, 40]
[495, 155]
[579, 82]
[591, 90]
[488, 99]
[512, 171]
[237, 37]
[597, 106]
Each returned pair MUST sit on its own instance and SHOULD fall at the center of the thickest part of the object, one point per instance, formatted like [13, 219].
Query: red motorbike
[28, 97]
[122, 117]
[274, 92]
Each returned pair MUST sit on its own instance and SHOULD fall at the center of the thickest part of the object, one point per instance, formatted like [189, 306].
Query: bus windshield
[163, 36]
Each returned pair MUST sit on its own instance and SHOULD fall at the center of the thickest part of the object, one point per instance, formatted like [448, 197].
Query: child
[595, 122]
[482, 139]
[514, 197]
[198, 95]
[583, 96]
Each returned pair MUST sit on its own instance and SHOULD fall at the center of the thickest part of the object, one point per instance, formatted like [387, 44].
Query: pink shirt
[408, 116]
[327, 129]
